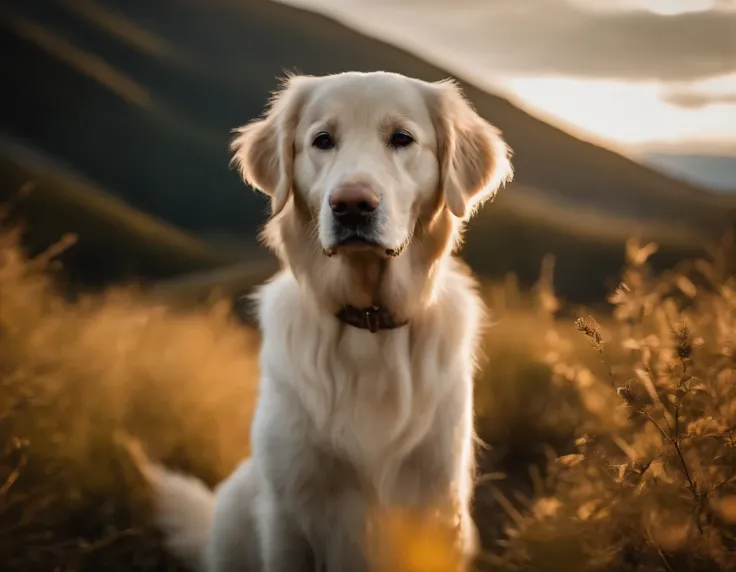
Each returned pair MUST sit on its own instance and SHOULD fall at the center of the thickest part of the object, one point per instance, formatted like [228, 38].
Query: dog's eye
[323, 141]
[401, 138]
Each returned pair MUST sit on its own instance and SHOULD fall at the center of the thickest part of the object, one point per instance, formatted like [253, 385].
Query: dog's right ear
[474, 159]
[263, 151]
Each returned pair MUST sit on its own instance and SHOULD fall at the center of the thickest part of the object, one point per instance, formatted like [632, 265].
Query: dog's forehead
[370, 95]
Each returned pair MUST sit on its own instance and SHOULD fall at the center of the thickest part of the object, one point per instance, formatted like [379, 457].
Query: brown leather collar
[371, 319]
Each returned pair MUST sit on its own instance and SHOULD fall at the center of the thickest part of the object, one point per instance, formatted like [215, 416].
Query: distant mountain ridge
[710, 171]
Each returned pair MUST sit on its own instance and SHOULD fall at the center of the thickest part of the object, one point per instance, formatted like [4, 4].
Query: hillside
[140, 98]
[112, 241]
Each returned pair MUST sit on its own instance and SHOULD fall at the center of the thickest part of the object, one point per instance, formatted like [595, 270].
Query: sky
[636, 75]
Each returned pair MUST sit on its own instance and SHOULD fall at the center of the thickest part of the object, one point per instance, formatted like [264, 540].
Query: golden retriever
[370, 330]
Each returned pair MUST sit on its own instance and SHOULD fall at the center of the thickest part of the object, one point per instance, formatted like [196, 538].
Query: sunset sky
[632, 74]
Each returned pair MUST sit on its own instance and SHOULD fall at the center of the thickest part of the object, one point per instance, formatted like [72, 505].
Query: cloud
[583, 38]
[691, 99]
[559, 38]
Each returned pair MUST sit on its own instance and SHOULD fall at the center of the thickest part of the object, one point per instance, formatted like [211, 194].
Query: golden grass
[615, 436]
[72, 377]
[651, 482]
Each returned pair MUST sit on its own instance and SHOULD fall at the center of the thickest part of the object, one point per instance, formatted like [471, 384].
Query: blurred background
[114, 137]
[621, 115]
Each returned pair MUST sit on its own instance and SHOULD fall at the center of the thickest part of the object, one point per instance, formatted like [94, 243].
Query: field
[607, 442]
[608, 445]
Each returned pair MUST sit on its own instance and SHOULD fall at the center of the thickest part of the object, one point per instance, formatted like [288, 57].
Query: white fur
[351, 423]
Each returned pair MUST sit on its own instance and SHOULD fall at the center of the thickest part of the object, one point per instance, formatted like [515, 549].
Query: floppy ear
[474, 158]
[263, 151]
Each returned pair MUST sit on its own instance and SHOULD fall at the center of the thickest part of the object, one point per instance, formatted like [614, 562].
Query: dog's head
[365, 159]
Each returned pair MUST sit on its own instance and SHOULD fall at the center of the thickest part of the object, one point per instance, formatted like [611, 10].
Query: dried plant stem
[9, 482]
[608, 367]
[692, 485]
[676, 445]
[12, 478]
[664, 560]
[677, 406]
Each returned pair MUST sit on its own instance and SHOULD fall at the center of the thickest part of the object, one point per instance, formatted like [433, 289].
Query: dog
[370, 332]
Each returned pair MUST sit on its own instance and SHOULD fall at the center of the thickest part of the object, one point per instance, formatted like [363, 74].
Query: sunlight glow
[629, 113]
[720, 85]
[670, 8]
[661, 7]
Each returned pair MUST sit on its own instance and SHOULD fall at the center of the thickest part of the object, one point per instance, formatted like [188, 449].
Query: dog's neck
[397, 289]
[372, 271]
[373, 319]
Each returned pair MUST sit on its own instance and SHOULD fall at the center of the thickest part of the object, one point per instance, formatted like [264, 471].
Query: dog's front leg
[438, 474]
[324, 525]
[284, 548]
[314, 496]
[284, 466]
[344, 535]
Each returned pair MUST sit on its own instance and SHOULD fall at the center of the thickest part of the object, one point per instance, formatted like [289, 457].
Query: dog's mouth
[355, 244]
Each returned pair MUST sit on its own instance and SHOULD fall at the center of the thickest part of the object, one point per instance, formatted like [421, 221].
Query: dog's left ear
[474, 159]
[263, 151]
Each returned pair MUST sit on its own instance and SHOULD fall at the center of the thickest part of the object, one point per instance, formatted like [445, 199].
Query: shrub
[652, 484]
[74, 375]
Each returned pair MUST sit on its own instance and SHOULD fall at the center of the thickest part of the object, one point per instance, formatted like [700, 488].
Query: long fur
[350, 424]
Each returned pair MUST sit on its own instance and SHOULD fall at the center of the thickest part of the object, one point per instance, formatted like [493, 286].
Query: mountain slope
[112, 240]
[141, 97]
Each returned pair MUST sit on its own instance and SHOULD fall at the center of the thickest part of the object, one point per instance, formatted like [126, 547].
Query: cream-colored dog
[370, 331]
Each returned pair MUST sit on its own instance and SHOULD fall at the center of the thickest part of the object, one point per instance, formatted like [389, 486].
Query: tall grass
[651, 484]
[72, 377]
[608, 444]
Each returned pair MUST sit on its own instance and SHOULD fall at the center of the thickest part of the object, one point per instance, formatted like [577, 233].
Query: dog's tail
[183, 508]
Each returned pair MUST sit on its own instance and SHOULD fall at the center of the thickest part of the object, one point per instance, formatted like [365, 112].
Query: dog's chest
[371, 398]
[367, 398]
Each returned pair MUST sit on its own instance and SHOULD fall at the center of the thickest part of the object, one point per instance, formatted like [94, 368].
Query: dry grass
[651, 484]
[72, 376]
[641, 405]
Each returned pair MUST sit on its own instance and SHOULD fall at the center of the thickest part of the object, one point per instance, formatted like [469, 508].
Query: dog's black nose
[352, 204]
